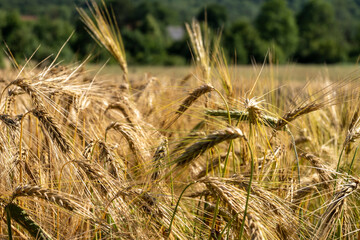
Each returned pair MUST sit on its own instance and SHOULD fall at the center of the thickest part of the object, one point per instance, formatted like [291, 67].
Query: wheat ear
[323, 171]
[52, 128]
[207, 142]
[105, 30]
[13, 124]
[158, 158]
[29, 89]
[124, 109]
[333, 211]
[297, 112]
[255, 233]
[46, 194]
[193, 96]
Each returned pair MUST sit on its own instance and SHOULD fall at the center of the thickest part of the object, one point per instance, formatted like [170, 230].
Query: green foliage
[181, 49]
[316, 19]
[318, 34]
[21, 217]
[159, 11]
[276, 24]
[38, 7]
[354, 53]
[82, 43]
[214, 14]
[2, 24]
[122, 9]
[324, 31]
[18, 35]
[52, 35]
[244, 43]
[187, 9]
[144, 48]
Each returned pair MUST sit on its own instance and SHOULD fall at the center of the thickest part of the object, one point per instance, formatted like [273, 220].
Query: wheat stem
[8, 222]
[352, 161]
[248, 191]
[176, 207]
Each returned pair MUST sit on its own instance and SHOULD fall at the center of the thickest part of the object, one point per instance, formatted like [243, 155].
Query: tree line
[316, 32]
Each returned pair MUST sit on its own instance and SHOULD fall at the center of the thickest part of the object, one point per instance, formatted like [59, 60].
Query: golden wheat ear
[52, 128]
[293, 114]
[45, 194]
[159, 157]
[334, 210]
[353, 132]
[324, 171]
[190, 99]
[255, 233]
[104, 29]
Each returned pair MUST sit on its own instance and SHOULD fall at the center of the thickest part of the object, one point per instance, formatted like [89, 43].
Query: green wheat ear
[244, 116]
[20, 216]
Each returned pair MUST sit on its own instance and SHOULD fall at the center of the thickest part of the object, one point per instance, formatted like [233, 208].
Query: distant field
[282, 73]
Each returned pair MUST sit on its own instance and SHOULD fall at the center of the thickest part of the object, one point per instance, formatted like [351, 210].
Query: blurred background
[296, 31]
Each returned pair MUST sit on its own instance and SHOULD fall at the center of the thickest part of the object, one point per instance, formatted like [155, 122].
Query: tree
[82, 43]
[319, 40]
[243, 41]
[51, 35]
[181, 49]
[347, 13]
[2, 23]
[354, 53]
[122, 9]
[277, 25]
[18, 35]
[147, 44]
[214, 14]
[156, 9]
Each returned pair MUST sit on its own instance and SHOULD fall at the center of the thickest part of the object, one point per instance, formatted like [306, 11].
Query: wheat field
[203, 152]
